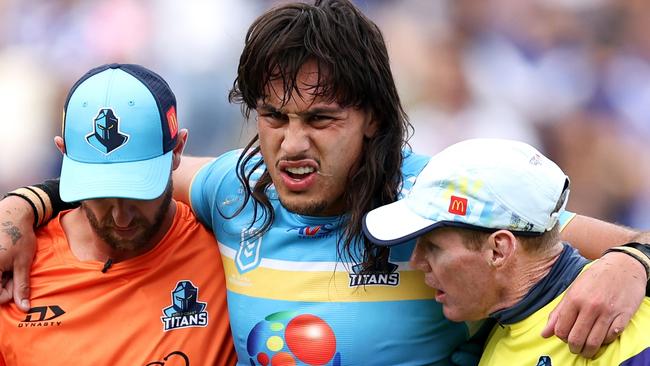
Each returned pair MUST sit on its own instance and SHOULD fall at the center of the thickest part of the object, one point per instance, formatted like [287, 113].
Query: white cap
[486, 184]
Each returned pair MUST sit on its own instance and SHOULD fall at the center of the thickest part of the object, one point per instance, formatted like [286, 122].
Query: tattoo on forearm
[10, 229]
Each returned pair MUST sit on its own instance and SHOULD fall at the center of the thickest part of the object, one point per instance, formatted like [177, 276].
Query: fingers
[566, 317]
[585, 329]
[22, 267]
[6, 289]
[591, 344]
[549, 329]
[617, 326]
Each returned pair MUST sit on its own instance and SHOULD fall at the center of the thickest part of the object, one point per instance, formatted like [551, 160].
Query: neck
[527, 271]
[86, 245]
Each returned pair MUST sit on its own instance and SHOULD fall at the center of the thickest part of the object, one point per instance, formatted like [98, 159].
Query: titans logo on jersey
[382, 275]
[186, 310]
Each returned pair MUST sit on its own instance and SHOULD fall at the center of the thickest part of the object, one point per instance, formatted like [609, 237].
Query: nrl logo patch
[248, 254]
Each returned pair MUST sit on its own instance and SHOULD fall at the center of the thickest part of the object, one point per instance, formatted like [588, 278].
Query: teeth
[301, 170]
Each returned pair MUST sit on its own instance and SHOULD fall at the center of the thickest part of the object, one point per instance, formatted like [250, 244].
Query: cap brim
[142, 180]
[395, 224]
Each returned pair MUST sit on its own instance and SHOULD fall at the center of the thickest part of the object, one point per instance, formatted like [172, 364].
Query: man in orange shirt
[130, 277]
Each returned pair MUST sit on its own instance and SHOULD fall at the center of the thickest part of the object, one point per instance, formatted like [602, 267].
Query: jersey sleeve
[205, 186]
[565, 218]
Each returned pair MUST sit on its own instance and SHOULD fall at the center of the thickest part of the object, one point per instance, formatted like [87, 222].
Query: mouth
[298, 175]
[440, 295]
[126, 231]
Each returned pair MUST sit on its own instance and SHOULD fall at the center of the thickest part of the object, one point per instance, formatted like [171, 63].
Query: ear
[60, 144]
[180, 146]
[500, 248]
[371, 126]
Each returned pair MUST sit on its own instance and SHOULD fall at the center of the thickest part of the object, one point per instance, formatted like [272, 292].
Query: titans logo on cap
[106, 136]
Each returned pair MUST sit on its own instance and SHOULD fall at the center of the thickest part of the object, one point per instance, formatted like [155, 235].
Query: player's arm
[21, 211]
[184, 175]
[592, 237]
[601, 301]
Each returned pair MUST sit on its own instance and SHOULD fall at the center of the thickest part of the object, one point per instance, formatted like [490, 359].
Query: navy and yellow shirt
[518, 341]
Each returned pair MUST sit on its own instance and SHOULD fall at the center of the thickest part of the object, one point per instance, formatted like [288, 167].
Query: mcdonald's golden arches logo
[458, 206]
[172, 122]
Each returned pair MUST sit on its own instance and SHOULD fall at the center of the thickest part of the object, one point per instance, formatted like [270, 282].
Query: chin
[304, 206]
[456, 316]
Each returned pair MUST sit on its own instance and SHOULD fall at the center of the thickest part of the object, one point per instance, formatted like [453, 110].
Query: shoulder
[412, 165]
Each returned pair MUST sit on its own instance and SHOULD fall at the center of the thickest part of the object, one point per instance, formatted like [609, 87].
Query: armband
[638, 251]
[44, 200]
[51, 189]
[37, 199]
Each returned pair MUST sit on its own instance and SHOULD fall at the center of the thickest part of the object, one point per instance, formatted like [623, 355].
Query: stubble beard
[140, 241]
[310, 208]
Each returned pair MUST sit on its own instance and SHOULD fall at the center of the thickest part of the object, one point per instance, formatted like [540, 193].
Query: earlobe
[371, 127]
[180, 146]
[60, 144]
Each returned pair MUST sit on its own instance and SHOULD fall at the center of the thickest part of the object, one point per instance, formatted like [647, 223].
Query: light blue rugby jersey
[291, 300]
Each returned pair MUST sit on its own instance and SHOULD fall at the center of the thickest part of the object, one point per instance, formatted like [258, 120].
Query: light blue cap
[117, 136]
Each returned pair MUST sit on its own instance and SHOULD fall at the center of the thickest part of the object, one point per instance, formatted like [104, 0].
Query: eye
[272, 118]
[320, 120]
[427, 245]
[274, 115]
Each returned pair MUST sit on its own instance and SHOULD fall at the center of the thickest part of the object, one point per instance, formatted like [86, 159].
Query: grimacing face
[461, 276]
[310, 145]
[125, 224]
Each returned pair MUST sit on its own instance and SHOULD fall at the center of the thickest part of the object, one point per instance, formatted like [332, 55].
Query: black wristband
[32, 204]
[638, 250]
[51, 188]
[645, 249]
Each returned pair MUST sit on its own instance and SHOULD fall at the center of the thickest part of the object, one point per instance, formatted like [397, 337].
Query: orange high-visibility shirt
[165, 307]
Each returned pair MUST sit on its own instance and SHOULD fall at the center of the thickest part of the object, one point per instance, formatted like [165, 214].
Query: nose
[122, 212]
[418, 260]
[296, 139]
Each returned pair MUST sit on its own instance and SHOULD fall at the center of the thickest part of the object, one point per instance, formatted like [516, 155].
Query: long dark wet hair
[354, 71]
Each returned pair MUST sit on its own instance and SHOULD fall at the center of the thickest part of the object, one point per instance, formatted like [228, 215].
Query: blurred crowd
[571, 77]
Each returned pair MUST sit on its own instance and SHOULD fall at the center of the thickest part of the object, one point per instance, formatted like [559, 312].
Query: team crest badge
[185, 310]
[544, 361]
[106, 135]
[382, 274]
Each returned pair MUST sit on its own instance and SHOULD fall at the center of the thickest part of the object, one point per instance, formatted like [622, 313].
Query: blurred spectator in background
[570, 77]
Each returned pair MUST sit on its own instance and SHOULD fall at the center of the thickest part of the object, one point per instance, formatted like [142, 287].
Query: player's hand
[599, 304]
[17, 248]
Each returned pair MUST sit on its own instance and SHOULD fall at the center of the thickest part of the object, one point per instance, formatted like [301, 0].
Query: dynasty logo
[42, 316]
[185, 311]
